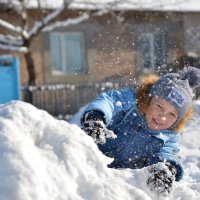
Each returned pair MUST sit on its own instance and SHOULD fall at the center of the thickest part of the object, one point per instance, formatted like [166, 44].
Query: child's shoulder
[126, 97]
[127, 92]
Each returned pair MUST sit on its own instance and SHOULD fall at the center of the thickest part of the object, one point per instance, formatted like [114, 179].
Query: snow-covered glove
[162, 176]
[94, 126]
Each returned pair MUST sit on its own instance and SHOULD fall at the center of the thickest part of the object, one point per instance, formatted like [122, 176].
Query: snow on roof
[151, 5]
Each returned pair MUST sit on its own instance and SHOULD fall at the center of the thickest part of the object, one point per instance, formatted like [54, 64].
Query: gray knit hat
[177, 88]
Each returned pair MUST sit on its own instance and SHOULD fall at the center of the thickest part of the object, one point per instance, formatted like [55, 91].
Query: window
[67, 52]
[146, 44]
[153, 49]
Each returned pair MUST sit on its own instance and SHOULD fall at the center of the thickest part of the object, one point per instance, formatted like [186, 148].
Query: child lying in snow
[141, 128]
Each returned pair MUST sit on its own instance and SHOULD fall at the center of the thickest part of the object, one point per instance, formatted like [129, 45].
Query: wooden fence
[64, 99]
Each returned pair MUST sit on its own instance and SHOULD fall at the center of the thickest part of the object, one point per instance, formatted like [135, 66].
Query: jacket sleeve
[169, 152]
[112, 102]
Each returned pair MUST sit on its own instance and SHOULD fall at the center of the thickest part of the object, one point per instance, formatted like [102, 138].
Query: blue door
[9, 79]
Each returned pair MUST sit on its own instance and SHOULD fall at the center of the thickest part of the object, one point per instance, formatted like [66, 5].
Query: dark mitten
[161, 178]
[94, 126]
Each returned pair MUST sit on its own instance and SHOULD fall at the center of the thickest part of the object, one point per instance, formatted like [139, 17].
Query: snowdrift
[43, 158]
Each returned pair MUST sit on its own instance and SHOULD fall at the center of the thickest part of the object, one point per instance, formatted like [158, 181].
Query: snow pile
[190, 153]
[43, 158]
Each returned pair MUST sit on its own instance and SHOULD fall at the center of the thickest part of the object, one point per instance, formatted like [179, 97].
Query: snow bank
[43, 158]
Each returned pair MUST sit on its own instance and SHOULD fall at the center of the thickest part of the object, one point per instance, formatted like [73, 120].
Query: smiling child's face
[160, 114]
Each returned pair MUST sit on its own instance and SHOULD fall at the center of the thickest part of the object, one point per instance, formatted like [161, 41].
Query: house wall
[114, 50]
[111, 53]
[111, 47]
[108, 52]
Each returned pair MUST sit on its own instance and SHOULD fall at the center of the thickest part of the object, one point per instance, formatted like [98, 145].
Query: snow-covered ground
[42, 158]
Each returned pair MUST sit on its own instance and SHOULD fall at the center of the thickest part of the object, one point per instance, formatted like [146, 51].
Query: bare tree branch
[14, 5]
[40, 25]
[40, 11]
[72, 21]
[24, 15]
[14, 48]
[10, 40]
[67, 22]
[10, 27]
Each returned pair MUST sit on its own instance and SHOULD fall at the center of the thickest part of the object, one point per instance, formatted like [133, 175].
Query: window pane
[74, 56]
[153, 49]
[160, 50]
[56, 57]
[147, 48]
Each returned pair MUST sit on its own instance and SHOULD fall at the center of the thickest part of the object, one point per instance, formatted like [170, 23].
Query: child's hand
[97, 130]
[95, 127]
[161, 178]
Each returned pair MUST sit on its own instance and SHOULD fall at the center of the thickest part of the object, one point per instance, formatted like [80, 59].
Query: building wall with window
[108, 48]
[105, 49]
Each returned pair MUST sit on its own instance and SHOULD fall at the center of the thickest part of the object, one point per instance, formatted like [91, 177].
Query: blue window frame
[67, 52]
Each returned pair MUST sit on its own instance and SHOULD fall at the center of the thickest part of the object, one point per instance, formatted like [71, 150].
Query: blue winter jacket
[136, 146]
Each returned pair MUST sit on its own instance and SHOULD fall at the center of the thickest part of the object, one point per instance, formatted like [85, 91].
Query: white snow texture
[42, 158]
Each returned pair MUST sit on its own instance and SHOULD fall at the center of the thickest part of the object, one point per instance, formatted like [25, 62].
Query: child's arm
[101, 112]
[112, 102]
[168, 169]
[169, 152]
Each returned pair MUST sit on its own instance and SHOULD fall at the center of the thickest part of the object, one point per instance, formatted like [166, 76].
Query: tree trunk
[30, 68]
[31, 75]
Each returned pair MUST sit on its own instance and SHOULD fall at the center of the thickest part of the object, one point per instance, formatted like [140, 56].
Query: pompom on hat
[177, 88]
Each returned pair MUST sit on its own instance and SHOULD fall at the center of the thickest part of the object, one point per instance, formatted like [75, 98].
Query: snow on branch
[11, 40]
[45, 21]
[21, 49]
[10, 26]
[67, 22]
[101, 12]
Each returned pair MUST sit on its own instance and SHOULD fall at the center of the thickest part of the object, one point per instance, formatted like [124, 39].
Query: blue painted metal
[9, 79]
